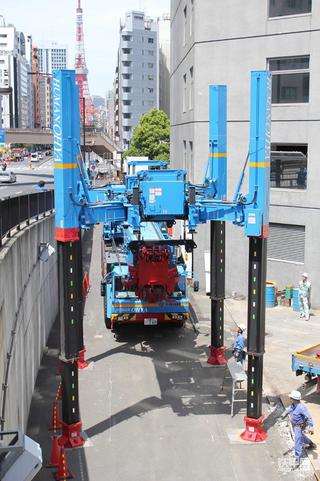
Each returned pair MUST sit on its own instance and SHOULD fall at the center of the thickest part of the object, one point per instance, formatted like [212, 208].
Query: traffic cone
[63, 469]
[56, 421]
[55, 452]
[85, 285]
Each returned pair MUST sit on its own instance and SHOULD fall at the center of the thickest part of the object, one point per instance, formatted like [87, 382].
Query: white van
[34, 157]
[7, 176]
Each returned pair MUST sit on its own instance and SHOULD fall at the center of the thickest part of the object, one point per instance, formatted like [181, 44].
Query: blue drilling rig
[157, 197]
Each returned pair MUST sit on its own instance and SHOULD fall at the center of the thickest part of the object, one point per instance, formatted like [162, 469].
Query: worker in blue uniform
[239, 345]
[301, 420]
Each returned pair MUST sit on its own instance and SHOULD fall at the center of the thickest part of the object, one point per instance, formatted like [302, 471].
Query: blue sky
[54, 21]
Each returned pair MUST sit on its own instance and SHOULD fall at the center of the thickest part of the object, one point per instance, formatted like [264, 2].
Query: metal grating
[286, 242]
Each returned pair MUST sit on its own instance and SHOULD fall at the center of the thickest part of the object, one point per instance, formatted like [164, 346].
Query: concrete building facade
[136, 86]
[221, 43]
[164, 62]
[53, 57]
[16, 104]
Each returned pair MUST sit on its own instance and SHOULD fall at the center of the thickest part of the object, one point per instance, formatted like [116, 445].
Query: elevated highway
[95, 141]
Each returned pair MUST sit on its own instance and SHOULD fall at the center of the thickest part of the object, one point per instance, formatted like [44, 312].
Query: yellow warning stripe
[216, 154]
[65, 166]
[259, 164]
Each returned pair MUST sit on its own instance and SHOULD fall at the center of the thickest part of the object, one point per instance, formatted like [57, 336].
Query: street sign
[2, 136]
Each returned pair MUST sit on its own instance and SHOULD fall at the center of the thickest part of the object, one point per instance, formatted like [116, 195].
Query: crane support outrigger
[164, 196]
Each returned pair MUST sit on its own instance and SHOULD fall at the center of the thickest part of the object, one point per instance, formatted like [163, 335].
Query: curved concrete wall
[29, 301]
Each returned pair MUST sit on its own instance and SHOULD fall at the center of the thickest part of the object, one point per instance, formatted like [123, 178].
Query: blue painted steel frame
[66, 138]
[76, 206]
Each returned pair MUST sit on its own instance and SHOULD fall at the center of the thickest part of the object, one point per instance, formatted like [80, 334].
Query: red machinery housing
[153, 278]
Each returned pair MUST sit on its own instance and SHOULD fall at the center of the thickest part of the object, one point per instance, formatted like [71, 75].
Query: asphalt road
[151, 408]
[28, 177]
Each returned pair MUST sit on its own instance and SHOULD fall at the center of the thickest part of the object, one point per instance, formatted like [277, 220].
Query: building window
[191, 20]
[150, 77]
[126, 63]
[126, 90]
[150, 65]
[127, 102]
[126, 51]
[150, 90]
[280, 8]
[191, 173]
[286, 243]
[150, 52]
[184, 143]
[150, 40]
[184, 100]
[126, 38]
[184, 24]
[127, 128]
[127, 76]
[127, 116]
[191, 90]
[289, 166]
[290, 79]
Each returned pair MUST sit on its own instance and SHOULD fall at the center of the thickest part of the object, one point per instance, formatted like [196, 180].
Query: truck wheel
[107, 320]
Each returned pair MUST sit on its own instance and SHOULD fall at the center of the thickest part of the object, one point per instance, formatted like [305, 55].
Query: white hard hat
[295, 395]
[242, 327]
[304, 274]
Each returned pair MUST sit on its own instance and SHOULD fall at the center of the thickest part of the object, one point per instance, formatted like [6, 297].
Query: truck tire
[107, 320]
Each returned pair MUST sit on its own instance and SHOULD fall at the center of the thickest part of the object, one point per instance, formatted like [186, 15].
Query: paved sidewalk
[286, 333]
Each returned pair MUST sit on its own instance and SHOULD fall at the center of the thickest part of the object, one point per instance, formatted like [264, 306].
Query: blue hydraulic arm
[66, 178]
[217, 187]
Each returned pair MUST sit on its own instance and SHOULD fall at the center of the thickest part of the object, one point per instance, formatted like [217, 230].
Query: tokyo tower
[82, 71]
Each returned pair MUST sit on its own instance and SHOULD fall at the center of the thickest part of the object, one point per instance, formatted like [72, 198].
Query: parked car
[7, 176]
[35, 157]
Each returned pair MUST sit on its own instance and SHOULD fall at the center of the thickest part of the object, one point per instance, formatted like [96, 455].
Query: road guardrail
[14, 211]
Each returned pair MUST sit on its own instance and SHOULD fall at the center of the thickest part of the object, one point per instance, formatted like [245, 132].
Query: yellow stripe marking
[259, 164]
[65, 166]
[216, 154]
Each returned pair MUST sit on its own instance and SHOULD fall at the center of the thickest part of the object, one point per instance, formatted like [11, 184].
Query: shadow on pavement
[185, 385]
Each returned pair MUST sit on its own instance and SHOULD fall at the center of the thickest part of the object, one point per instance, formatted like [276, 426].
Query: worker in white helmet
[301, 420]
[239, 344]
[304, 296]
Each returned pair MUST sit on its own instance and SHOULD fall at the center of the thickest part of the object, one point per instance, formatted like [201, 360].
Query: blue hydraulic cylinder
[66, 138]
[257, 218]
[218, 140]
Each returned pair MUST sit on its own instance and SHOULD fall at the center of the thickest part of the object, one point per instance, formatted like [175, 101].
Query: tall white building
[215, 42]
[16, 102]
[164, 62]
[110, 113]
[137, 73]
[52, 57]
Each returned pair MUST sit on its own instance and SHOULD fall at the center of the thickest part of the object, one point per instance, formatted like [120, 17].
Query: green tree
[151, 138]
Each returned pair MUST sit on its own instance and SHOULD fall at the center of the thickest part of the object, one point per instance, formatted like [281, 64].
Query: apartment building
[217, 42]
[16, 103]
[136, 85]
